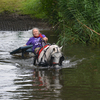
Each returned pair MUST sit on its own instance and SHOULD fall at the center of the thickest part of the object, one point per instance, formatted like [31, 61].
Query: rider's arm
[29, 42]
[45, 39]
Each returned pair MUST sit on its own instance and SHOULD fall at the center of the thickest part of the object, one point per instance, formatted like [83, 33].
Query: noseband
[60, 61]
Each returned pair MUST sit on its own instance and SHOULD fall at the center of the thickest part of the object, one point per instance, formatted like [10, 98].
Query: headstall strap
[44, 54]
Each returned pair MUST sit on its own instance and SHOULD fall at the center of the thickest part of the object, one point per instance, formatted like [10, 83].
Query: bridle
[59, 63]
[44, 55]
[52, 57]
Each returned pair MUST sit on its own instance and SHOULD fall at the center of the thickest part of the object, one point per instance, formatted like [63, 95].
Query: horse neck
[48, 51]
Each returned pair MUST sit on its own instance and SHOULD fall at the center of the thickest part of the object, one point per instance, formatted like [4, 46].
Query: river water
[79, 78]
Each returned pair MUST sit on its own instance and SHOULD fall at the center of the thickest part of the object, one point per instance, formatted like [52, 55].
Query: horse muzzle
[56, 65]
[59, 63]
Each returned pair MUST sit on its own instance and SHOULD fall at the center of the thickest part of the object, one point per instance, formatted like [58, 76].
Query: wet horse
[50, 55]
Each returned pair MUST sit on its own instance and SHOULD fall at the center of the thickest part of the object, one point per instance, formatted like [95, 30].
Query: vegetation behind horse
[75, 21]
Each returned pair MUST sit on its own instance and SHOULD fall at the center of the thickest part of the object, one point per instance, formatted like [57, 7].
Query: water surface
[77, 80]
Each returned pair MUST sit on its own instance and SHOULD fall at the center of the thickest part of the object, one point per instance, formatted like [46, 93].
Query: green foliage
[86, 11]
[11, 6]
[73, 19]
[29, 7]
[71, 16]
[32, 7]
[50, 8]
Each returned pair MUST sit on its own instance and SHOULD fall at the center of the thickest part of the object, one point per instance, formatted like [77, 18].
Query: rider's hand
[45, 39]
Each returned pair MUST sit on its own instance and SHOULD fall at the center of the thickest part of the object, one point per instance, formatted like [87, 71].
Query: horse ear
[61, 47]
[53, 44]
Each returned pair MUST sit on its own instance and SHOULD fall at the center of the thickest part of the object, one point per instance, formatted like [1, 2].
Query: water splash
[71, 64]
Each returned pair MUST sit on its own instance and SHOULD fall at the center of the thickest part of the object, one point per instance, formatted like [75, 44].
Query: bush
[75, 19]
[50, 8]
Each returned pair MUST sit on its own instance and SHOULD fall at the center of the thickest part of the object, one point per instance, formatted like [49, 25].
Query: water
[77, 80]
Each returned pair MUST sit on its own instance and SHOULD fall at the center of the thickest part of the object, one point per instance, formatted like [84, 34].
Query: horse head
[56, 56]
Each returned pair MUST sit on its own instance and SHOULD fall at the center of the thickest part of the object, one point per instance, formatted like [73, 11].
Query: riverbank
[14, 22]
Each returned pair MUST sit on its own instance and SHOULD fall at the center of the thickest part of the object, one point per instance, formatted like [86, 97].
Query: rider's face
[35, 32]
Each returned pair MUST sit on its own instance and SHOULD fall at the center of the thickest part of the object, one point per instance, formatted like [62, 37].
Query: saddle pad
[42, 49]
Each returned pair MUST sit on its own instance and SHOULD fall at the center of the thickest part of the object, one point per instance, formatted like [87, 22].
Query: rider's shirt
[36, 42]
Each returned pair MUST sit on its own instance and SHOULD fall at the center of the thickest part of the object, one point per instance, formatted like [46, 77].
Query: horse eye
[53, 49]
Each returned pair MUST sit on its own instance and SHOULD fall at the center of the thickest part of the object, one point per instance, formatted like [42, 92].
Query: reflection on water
[37, 85]
[28, 83]
[7, 75]
[19, 79]
[79, 78]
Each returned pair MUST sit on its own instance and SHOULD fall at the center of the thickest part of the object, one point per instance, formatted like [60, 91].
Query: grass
[25, 7]
[10, 6]
[33, 8]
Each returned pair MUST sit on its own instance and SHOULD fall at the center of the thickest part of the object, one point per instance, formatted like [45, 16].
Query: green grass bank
[21, 7]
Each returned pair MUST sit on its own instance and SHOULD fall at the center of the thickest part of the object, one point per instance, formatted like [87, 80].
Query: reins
[53, 63]
[44, 59]
[44, 55]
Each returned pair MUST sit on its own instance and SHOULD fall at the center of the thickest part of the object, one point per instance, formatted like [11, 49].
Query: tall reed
[79, 18]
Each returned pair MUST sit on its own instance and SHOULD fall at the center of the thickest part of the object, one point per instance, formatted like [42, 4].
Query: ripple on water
[7, 75]
[21, 82]
[37, 85]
